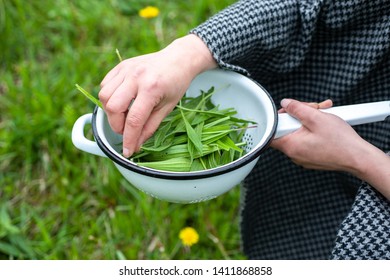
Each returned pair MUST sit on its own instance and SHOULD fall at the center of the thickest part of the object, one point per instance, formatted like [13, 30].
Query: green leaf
[89, 96]
[192, 135]
[225, 157]
[118, 55]
[226, 143]
[196, 165]
[181, 164]
[217, 129]
[213, 160]
[161, 134]
[211, 138]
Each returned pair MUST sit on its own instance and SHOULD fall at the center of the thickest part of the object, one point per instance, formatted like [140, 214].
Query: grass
[55, 201]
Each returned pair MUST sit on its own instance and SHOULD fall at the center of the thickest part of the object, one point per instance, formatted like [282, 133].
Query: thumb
[298, 110]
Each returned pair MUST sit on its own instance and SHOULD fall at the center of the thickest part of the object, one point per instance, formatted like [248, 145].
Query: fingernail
[126, 152]
[285, 102]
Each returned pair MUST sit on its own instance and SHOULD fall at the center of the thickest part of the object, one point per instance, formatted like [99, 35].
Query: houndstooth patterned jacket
[310, 50]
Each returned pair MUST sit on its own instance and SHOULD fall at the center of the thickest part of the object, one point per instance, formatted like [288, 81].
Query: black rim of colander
[185, 175]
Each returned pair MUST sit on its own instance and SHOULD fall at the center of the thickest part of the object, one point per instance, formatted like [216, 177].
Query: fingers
[110, 75]
[325, 104]
[135, 121]
[303, 112]
[138, 122]
[322, 105]
[306, 113]
[143, 118]
[117, 103]
[152, 124]
[147, 94]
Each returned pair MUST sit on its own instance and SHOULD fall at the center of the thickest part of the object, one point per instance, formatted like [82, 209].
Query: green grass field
[57, 202]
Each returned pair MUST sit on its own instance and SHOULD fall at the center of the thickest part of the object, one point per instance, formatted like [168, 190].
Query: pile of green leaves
[196, 135]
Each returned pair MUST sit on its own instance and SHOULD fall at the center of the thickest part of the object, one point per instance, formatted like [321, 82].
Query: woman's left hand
[327, 142]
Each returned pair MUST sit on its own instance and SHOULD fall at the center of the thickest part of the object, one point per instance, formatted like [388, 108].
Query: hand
[324, 142]
[327, 142]
[139, 92]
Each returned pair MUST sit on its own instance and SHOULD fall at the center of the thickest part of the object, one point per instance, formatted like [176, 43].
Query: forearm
[266, 32]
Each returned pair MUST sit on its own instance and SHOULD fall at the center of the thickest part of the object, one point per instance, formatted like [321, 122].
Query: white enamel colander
[251, 101]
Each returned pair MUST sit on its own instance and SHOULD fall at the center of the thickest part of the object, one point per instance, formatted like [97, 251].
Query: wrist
[374, 168]
[197, 55]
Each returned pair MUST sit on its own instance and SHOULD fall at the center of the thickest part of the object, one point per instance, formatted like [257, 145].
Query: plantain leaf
[225, 157]
[181, 164]
[161, 134]
[192, 135]
[226, 143]
[196, 165]
[213, 160]
[89, 96]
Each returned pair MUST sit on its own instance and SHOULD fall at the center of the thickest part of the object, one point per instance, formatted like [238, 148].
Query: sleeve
[365, 232]
[273, 33]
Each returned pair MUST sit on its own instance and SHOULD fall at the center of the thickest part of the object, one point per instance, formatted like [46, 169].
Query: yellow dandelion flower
[189, 236]
[149, 12]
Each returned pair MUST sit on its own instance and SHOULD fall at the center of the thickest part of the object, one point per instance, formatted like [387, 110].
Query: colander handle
[79, 139]
[352, 114]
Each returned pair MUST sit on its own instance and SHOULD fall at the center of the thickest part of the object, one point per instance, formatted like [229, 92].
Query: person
[323, 191]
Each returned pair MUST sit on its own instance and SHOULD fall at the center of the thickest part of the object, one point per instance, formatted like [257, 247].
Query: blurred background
[60, 203]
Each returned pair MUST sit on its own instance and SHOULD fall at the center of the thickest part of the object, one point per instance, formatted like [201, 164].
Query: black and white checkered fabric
[308, 50]
[365, 232]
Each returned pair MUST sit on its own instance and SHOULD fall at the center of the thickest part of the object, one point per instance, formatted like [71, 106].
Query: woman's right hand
[139, 92]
